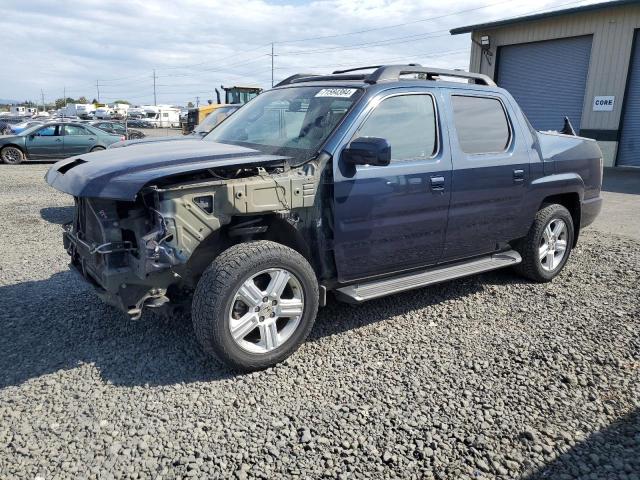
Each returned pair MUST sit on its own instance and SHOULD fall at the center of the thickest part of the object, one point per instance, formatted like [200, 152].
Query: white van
[162, 115]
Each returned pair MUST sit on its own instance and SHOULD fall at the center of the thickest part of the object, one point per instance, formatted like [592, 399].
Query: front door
[45, 142]
[77, 140]
[392, 218]
[490, 174]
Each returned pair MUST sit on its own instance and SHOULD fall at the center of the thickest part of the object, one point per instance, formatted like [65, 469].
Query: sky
[197, 45]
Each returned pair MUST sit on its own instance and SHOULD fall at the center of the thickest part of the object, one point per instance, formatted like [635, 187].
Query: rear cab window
[481, 124]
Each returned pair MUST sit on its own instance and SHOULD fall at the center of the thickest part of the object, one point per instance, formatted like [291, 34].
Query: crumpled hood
[120, 173]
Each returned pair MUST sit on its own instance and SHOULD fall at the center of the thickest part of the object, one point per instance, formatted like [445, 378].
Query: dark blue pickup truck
[364, 182]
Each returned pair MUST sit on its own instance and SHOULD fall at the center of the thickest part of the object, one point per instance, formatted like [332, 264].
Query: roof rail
[369, 68]
[388, 73]
[293, 77]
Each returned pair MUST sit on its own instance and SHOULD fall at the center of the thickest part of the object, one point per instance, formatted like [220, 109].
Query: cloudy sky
[196, 45]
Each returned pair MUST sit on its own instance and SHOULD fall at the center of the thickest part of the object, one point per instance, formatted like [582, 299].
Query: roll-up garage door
[547, 79]
[629, 146]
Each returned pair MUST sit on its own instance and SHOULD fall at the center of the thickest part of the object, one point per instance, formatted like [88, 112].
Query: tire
[12, 155]
[540, 264]
[219, 305]
[96, 149]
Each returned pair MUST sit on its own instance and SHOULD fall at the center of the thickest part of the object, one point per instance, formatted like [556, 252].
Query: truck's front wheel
[255, 304]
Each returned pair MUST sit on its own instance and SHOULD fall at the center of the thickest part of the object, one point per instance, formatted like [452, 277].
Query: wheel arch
[19, 147]
[273, 227]
[570, 201]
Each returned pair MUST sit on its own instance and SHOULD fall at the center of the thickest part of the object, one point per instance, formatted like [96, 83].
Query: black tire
[97, 149]
[12, 155]
[214, 298]
[529, 247]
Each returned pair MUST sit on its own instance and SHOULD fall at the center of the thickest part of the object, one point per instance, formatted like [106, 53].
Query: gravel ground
[487, 377]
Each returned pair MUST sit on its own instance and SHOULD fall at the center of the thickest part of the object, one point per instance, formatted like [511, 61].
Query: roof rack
[389, 73]
[291, 78]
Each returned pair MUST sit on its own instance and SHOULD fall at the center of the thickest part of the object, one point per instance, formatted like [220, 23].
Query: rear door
[77, 140]
[490, 173]
[45, 142]
[392, 218]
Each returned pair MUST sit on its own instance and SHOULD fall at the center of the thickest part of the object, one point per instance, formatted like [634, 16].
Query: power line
[428, 19]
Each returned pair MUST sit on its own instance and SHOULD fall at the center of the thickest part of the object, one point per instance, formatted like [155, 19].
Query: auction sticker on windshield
[336, 92]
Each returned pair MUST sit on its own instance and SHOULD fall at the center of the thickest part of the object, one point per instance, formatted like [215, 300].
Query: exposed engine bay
[137, 253]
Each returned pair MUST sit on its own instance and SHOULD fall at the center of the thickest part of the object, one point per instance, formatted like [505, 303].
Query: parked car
[5, 128]
[19, 127]
[54, 140]
[198, 133]
[361, 183]
[117, 128]
[139, 123]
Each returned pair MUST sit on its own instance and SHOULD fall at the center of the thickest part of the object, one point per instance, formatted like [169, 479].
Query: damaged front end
[140, 253]
[118, 247]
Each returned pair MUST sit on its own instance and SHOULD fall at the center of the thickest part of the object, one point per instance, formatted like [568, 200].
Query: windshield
[214, 118]
[293, 122]
[30, 130]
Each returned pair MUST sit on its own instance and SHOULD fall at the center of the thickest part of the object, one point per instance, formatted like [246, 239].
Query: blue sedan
[54, 141]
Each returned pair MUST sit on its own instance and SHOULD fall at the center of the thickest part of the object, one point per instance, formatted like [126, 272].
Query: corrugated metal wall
[629, 148]
[612, 30]
[526, 70]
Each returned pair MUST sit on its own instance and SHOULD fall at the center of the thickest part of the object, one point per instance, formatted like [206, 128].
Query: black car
[139, 123]
[117, 128]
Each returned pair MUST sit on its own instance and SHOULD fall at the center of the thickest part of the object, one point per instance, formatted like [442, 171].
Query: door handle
[58, 139]
[437, 183]
[518, 176]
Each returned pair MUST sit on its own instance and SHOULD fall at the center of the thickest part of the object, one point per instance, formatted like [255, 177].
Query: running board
[387, 286]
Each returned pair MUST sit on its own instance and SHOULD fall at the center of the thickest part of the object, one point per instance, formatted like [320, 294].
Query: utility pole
[98, 89]
[65, 101]
[155, 100]
[272, 55]
[42, 96]
[197, 102]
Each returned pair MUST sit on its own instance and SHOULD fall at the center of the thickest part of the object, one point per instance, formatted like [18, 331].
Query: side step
[379, 288]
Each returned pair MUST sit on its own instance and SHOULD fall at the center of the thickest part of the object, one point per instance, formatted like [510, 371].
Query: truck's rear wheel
[546, 248]
[255, 304]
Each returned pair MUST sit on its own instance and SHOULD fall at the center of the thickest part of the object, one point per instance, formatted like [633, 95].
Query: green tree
[190, 105]
[122, 101]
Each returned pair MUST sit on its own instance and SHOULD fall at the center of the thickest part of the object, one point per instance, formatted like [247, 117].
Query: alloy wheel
[553, 244]
[266, 310]
[11, 155]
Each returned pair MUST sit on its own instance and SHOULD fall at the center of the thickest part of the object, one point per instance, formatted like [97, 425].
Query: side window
[481, 124]
[408, 123]
[48, 131]
[75, 130]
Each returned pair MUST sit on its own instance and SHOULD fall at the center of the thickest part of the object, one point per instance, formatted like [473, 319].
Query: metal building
[582, 62]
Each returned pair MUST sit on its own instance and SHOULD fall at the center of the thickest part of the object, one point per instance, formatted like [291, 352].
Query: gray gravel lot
[486, 377]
